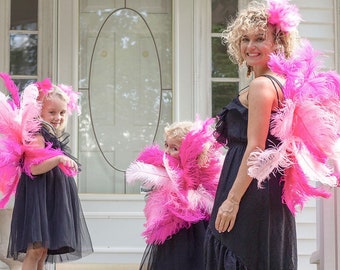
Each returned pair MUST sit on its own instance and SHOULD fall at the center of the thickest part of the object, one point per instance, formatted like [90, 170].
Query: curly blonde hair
[178, 130]
[55, 91]
[255, 18]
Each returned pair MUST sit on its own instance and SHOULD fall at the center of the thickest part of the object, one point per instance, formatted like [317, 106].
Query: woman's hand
[226, 215]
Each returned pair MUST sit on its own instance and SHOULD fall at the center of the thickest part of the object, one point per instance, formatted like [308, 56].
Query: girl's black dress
[182, 251]
[264, 235]
[47, 213]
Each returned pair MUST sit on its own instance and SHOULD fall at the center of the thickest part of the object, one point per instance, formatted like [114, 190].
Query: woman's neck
[258, 71]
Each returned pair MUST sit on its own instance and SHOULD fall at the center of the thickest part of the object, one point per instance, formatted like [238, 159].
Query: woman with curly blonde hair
[251, 228]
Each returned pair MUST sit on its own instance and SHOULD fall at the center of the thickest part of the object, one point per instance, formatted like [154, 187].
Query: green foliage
[222, 94]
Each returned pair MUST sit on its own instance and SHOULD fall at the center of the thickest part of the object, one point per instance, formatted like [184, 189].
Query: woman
[251, 228]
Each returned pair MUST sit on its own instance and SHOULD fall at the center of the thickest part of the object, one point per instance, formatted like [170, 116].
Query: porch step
[73, 266]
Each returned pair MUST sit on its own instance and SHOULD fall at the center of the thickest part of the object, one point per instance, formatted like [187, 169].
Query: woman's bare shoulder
[262, 86]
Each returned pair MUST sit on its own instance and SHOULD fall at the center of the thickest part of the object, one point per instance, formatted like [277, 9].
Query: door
[125, 76]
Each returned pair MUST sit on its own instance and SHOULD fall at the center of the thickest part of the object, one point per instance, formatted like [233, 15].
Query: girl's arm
[262, 100]
[50, 163]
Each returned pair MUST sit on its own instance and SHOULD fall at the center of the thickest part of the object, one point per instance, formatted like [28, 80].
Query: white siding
[306, 235]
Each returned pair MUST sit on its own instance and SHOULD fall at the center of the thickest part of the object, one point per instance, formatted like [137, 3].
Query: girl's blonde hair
[178, 130]
[255, 18]
[54, 92]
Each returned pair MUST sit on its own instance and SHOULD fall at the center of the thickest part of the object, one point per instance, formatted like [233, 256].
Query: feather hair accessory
[73, 104]
[308, 126]
[284, 15]
[73, 97]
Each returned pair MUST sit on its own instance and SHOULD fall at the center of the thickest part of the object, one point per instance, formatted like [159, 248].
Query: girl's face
[256, 47]
[54, 112]
[172, 146]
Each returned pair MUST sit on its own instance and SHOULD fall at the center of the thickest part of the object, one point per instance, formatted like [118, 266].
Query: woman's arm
[50, 163]
[261, 101]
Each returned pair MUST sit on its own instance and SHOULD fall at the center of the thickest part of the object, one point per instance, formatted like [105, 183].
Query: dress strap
[273, 79]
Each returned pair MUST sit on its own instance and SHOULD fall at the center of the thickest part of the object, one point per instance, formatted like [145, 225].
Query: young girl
[181, 180]
[48, 224]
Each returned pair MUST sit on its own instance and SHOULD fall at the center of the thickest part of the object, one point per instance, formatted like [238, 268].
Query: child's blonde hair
[55, 91]
[178, 130]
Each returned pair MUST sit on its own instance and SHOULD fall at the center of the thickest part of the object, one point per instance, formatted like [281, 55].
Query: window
[224, 74]
[23, 38]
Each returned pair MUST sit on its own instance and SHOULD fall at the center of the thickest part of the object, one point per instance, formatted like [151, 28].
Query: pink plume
[308, 126]
[35, 155]
[148, 174]
[9, 169]
[9, 188]
[297, 190]
[313, 169]
[311, 123]
[263, 163]
[44, 86]
[198, 145]
[12, 88]
[152, 155]
[284, 15]
[30, 112]
[73, 96]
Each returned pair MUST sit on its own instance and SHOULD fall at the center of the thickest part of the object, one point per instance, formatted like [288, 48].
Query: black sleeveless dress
[264, 235]
[47, 213]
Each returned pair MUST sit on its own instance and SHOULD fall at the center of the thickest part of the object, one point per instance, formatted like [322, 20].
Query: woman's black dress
[47, 213]
[264, 235]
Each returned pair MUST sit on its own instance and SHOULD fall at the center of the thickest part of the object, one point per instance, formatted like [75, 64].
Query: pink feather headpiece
[72, 105]
[283, 15]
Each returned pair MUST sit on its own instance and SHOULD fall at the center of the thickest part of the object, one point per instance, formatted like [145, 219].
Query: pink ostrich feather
[199, 156]
[12, 88]
[44, 86]
[29, 113]
[297, 190]
[184, 188]
[283, 14]
[74, 96]
[316, 126]
[308, 126]
[150, 175]
[152, 155]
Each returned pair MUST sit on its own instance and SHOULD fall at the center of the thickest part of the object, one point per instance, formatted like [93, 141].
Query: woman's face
[171, 147]
[54, 112]
[257, 46]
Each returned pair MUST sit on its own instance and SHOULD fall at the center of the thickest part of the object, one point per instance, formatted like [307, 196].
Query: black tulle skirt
[183, 251]
[47, 213]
